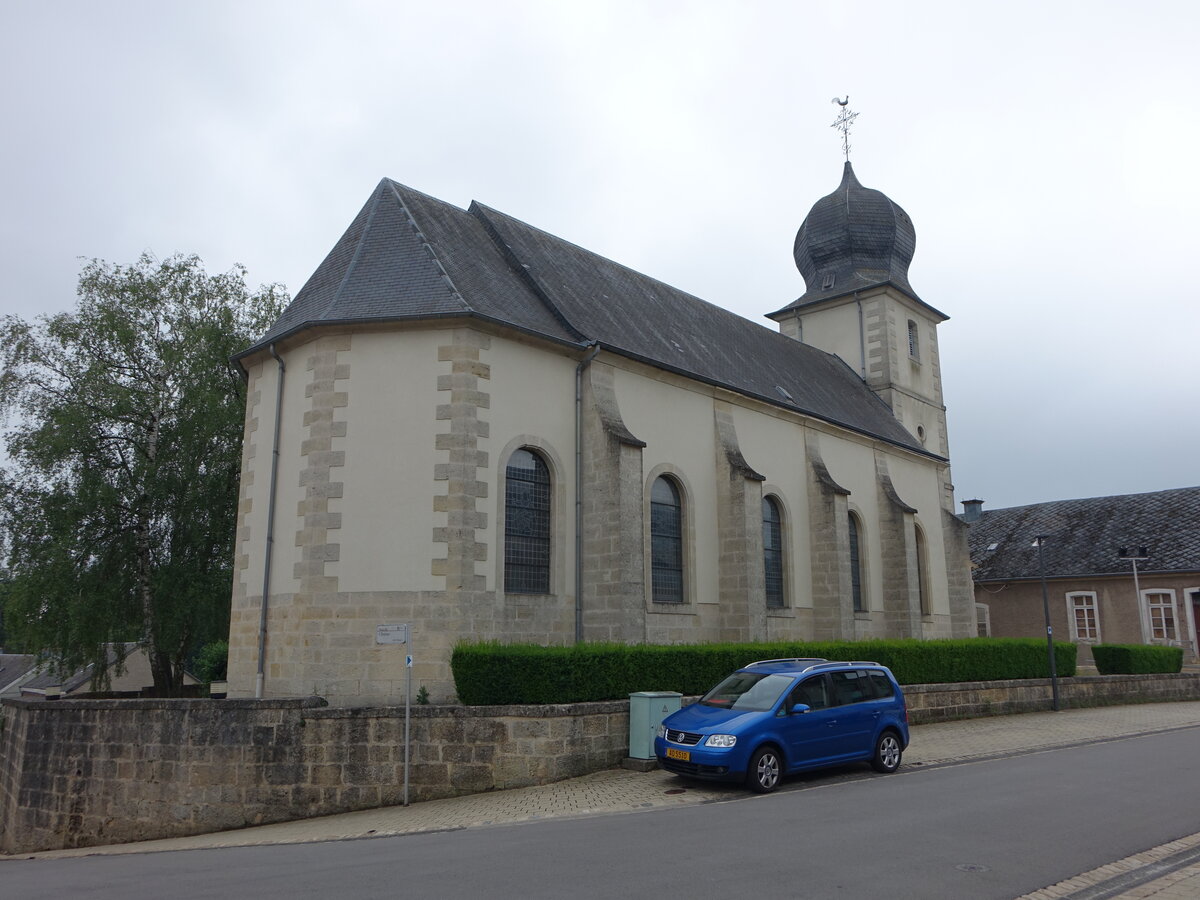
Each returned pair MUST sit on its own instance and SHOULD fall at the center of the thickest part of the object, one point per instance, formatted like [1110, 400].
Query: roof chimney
[972, 510]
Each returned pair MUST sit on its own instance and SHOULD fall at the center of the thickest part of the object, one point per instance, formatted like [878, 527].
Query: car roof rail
[832, 663]
[793, 659]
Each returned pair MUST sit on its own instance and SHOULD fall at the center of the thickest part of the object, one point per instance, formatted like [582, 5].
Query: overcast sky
[1046, 152]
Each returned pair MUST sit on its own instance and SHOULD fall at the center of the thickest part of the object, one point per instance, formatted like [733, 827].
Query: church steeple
[854, 248]
[853, 239]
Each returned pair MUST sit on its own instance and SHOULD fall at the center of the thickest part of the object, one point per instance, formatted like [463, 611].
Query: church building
[473, 427]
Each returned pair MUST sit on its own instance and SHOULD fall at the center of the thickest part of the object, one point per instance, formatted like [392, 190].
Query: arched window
[914, 345]
[666, 542]
[923, 574]
[526, 524]
[773, 551]
[856, 585]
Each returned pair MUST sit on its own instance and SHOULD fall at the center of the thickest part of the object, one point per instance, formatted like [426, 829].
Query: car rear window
[882, 684]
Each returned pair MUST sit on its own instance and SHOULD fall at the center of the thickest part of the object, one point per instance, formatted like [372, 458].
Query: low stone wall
[77, 773]
[974, 699]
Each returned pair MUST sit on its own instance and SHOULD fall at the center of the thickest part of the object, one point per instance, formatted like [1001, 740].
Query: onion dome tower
[853, 250]
[853, 239]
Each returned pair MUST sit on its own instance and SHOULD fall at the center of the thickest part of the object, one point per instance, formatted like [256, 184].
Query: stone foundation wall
[975, 699]
[78, 773]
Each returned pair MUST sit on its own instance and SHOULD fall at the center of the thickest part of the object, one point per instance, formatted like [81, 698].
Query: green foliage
[495, 674]
[126, 418]
[423, 696]
[212, 662]
[1137, 659]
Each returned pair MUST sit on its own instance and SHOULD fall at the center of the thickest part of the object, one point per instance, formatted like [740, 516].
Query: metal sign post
[398, 634]
[1040, 540]
[407, 707]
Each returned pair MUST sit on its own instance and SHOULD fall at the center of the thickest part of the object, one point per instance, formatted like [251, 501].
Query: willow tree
[119, 500]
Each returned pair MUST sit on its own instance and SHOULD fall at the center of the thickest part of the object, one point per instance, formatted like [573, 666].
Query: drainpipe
[583, 364]
[266, 591]
[862, 339]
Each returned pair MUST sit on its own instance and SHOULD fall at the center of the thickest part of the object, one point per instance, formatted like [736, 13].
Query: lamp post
[1040, 540]
[1136, 555]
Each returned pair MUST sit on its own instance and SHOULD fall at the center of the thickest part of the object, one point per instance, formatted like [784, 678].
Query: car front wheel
[887, 753]
[765, 769]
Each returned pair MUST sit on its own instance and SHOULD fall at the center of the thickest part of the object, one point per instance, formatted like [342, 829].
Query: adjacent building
[478, 429]
[1089, 551]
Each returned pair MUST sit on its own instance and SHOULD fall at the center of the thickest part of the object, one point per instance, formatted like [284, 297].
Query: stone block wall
[975, 699]
[78, 773]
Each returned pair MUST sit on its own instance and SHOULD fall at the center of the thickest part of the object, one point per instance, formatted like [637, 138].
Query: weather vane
[843, 122]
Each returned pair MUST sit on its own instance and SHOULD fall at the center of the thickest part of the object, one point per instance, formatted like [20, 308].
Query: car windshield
[750, 691]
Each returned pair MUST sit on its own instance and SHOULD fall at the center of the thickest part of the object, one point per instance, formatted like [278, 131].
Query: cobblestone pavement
[1170, 872]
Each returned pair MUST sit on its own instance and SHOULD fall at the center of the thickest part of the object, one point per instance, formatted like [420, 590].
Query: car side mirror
[800, 708]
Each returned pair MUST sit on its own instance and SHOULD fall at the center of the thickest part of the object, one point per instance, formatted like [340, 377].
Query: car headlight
[721, 740]
[662, 730]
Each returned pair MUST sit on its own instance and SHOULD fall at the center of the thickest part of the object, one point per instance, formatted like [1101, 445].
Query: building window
[1085, 620]
[922, 574]
[666, 542]
[983, 620]
[773, 551]
[856, 585]
[526, 524]
[1160, 606]
[914, 344]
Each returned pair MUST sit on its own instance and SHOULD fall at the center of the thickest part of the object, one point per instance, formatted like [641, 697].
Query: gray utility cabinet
[647, 709]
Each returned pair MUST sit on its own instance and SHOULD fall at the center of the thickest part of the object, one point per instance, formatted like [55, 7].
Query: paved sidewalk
[1174, 867]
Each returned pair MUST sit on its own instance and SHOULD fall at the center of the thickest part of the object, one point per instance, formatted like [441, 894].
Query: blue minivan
[779, 716]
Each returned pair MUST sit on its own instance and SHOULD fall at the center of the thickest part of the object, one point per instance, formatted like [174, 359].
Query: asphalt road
[987, 829]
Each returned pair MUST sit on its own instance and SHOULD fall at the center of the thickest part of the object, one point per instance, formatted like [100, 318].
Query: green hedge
[1137, 659]
[488, 674]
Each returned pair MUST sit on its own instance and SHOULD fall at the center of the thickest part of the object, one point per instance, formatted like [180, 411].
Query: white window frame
[1190, 614]
[985, 619]
[1072, 607]
[1148, 606]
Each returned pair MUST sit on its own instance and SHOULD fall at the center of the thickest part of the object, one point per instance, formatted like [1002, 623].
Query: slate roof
[851, 240]
[47, 676]
[409, 256]
[13, 667]
[1083, 536]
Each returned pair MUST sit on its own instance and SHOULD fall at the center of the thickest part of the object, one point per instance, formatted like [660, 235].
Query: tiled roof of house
[409, 256]
[1083, 537]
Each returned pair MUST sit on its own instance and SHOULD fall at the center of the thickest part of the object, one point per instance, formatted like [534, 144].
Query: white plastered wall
[774, 447]
[835, 330]
[918, 484]
[677, 425]
[387, 504]
[532, 404]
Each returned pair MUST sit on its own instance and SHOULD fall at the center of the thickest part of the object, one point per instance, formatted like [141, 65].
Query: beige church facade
[477, 429]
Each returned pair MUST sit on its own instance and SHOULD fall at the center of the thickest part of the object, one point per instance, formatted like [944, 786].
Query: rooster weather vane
[843, 122]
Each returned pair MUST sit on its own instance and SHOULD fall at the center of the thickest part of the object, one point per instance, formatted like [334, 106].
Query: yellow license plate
[672, 753]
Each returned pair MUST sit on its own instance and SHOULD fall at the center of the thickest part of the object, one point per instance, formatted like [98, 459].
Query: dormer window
[827, 281]
[914, 345]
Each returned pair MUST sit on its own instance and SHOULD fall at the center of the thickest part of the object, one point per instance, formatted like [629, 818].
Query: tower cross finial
[843, 122]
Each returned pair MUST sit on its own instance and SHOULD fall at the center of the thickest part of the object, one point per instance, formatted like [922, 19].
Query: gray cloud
[1043, 151]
